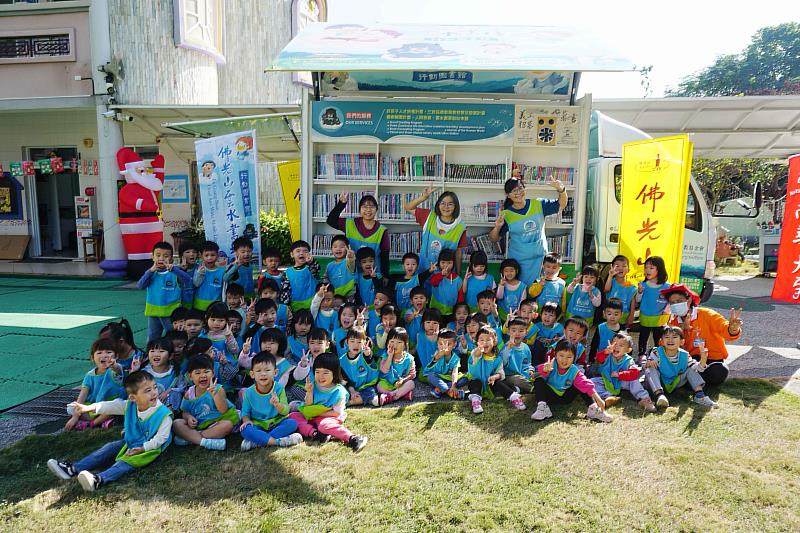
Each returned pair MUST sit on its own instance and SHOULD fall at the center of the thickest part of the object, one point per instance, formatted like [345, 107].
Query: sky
[677, 39]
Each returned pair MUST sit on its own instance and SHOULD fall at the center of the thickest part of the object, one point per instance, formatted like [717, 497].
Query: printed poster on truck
[546, 126]
[226, 170]
[787, 283]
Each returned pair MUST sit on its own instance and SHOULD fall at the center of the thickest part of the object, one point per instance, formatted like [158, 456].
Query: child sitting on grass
[612, 313]
[265, 409]
[485, 373]
[102, 383]
[617, 372]
[208, 417]
[160, 355]
[669, 367]
[560, 380]
[323, 414]
[442, 372]
[359, 369]
[397, 369]
[148, 425]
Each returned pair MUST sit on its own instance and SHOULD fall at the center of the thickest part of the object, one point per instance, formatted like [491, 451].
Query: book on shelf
[403, 168]
[540, 175]
[390, 206]
[458, 173]
[346, 166]
[323, 203]
[402, 243]
[484, 243]
[565, 216]
[563, 246]
[481, 212]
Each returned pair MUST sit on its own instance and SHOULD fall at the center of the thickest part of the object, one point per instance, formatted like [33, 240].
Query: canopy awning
[326, 47]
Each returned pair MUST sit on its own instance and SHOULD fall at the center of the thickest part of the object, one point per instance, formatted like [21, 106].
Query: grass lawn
[436, 466]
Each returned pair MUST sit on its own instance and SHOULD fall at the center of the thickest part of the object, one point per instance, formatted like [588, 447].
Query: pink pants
[327, 425]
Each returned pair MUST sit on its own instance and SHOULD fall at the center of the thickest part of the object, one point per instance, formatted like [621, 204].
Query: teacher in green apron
[441, 228]
[523, 220]
[364, 230]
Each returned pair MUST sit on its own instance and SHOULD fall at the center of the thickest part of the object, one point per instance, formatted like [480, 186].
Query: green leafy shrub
[275, 232]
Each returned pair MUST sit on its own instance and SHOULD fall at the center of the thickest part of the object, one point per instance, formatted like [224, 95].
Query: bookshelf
[402, 167]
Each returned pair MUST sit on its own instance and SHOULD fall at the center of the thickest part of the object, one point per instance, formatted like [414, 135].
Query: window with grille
[43, 45]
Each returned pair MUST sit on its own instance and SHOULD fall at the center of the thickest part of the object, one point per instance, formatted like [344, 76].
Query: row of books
[347, 166]
[566, 216]
[323, 203]
[402, 243]
[476, 173]
[562, 245]
[482, 212]
[484, 243]
[412, 166]
[540, 175]
[390, 206]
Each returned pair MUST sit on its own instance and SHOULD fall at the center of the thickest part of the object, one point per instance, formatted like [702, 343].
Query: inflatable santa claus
[139, 212]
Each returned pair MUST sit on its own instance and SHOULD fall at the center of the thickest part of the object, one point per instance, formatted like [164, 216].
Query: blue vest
[202, 408]
[210, 290]
[653, 303]
[476, 286]
[552, 291]
[136, 432]
[445, 295]
[444, 367]
[283, 365]
[187, 289]
[625, 294]
[296, 348]
[245, 279]
[414, 328]
[671, 372]
[516, 360]
[481, 371]
[163, 294]
[613, 384]
[398, 369]
[402, 291]
[511, 299]
[258, 408]
[561, 382]
[432, 243]
[339, 336]
[546, 335]
[606, 334]
[104, 387]
[163, 383]
[303, 285]
[282, 317]
[342, 280]
[359, 372]
[426, 348]
[373, 319]
[527, 242]
[366, 288]
[358, 241]
[580, 304]
[329, 398]
[328, 323]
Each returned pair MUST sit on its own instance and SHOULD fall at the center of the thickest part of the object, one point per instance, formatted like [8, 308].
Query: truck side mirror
[758, 196]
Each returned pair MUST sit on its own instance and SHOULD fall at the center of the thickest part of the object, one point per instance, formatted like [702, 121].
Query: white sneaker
[62, 469]
[516, 401]
[542, 411]
[662, 401]
[375, 401]
[248, 445]
[290, 440]
[90, 482]
[476, 404]
[595, 413]
[705, 401]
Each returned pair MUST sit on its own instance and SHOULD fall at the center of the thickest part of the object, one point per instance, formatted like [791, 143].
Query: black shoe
[357, 442]
[62, 469]
[320, 437]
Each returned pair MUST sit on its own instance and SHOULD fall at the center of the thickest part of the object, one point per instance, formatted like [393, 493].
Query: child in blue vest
[467, 341]
[163, 282]
[220, 335]
[653, 312]
[234, 320]
[322, 309]
[559, 380]
[160, 357]
[299, 281]
[225, 369]
[383, 295]
[669, 367]
[208, 277]
[617, 372]
[487, 306]
[100, 384]
[477, 279]
[234, 299]
[122, 335]
[548, 329]
[397, 369]
[148, 432]
[511, 290]
[359, 369]
[368, 280]
[178, 319]
[410, 278]
[549, 288]
[413, 317]
[390, 317]
[585, 298]
[341, 272]
[188, 253]
[348, 314]
[302, 322]
[443, 372]
[516, 356]
[269, 290]
[270, 261]
[324, 411]
[427, 339]
[612, 313]
[240, 269]
[265, 409]
[445, 283]
[460, 315]
[194, 323]
[617, 286]
[207, 415]
[485, 372]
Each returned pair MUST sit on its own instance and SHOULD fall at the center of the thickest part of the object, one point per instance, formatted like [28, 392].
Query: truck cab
[601, 232]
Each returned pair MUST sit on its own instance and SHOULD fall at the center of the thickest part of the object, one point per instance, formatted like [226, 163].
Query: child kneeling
[669, 367]
[208, 416]
[618, 372]
[561, 381]
[265, 408]
[323, 414]
[148, 425]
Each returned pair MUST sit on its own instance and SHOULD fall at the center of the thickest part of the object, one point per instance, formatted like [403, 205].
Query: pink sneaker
[407, 397]
[107, 423]
[475, 400]
[516, 401]
[81, 425]
[386, 398]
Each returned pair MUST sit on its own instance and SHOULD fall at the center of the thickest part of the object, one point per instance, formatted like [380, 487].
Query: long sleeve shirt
[117, 407]
[285, 295]
[336, 222]
[708, 326]
[582, 383]
[632, 374]
[147, 277]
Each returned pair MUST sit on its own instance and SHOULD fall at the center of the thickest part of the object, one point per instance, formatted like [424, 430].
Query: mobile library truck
[394, 109]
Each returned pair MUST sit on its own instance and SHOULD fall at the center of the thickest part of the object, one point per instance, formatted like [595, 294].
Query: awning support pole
[576, 80]
[315, 81]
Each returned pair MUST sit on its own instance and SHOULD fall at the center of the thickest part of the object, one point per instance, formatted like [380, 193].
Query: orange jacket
[709, 326]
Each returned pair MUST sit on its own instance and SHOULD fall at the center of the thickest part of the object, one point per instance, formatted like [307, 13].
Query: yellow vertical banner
[289, 174]
[655, 185]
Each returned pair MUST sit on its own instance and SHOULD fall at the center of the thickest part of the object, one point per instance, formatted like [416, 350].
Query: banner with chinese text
[655, 185]
[226, 171]
[289, 174]
[787, 283]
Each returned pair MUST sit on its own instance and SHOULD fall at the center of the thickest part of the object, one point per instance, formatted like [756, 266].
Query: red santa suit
[139, 213]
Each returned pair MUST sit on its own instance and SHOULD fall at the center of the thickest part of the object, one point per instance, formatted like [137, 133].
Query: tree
[769, 65]
[719, 179]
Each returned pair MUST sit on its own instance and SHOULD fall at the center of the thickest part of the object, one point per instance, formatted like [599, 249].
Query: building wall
[28, 129]
[26, 80]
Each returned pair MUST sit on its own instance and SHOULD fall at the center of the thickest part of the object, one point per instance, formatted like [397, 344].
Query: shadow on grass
[185, 476]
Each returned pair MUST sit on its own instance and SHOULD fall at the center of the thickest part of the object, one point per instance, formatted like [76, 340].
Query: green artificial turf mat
[14, 392]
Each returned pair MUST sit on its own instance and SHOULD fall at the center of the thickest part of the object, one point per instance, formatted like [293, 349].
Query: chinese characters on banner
[787, 283]
[655, 185]
[226, 170]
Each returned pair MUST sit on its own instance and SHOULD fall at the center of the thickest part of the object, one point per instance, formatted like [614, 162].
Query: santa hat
[129, 162]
